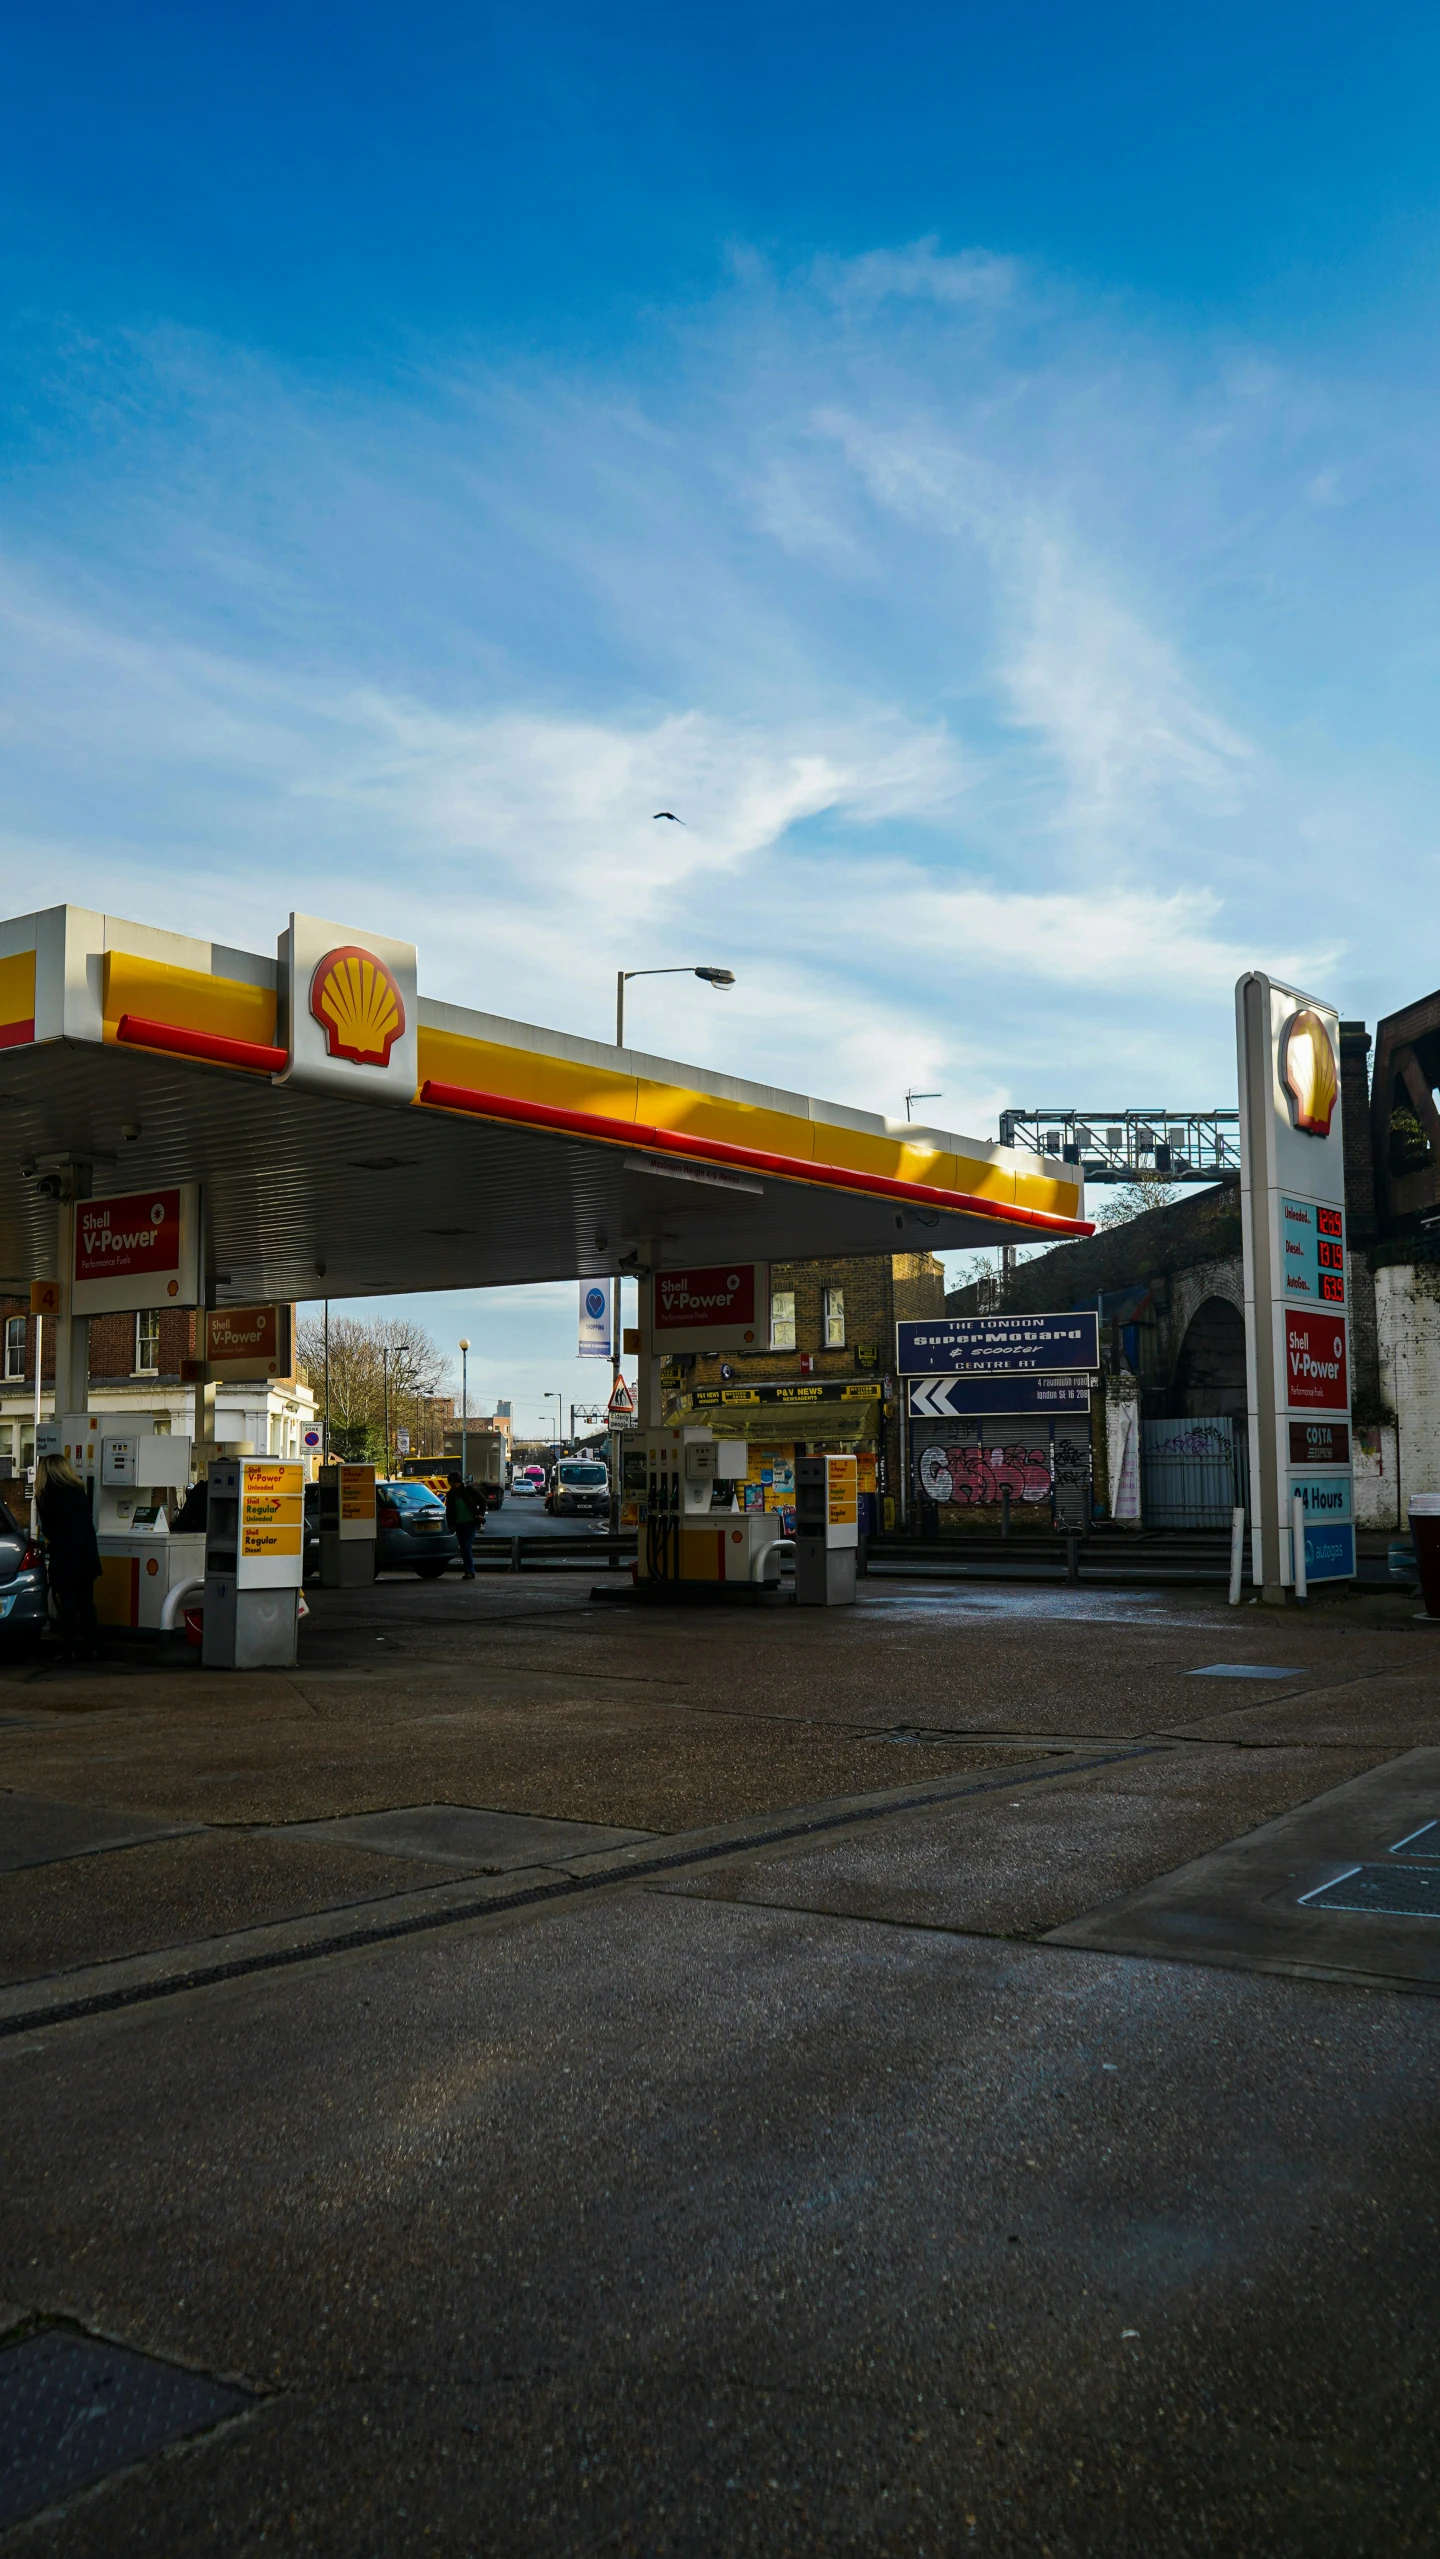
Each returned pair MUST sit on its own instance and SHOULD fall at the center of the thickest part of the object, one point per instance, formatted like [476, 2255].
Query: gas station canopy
[352, 1139]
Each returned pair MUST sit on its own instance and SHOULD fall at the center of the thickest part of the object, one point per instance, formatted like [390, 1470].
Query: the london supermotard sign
[1297, 1282]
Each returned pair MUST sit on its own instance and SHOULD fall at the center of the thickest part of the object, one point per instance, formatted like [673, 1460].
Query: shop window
[14, 1346]
[782, 1319]
[834, 1319]
[147, 1344]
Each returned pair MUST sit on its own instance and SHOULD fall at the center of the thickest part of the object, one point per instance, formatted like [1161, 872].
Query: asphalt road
[774, 2183]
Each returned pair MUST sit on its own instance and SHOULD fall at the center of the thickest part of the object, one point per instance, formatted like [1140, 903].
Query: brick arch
[1209, 1373]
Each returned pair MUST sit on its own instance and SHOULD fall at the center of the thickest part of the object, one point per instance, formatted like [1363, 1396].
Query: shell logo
[1308, 1072]
[358, 1005]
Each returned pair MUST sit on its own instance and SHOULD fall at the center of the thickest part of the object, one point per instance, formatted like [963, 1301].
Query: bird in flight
[674, 820]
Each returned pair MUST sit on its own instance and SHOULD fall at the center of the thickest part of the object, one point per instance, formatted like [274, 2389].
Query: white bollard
[1297, 1544]
[1237, 1554]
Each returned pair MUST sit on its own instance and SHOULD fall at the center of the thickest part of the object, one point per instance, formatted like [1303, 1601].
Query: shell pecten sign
[352, 1009]
[358, 1005]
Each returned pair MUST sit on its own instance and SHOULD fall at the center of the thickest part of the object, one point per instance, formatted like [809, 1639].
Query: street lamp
[712, 977]
[464, 1408]
[557, 1394]
[912, 1098]
[385, 1397]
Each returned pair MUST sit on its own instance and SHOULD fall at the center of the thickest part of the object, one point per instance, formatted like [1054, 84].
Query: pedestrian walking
[464, 1513]
[72, 1555]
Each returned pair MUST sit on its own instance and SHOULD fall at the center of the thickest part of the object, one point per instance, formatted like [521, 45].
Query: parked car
[410, 1531]
[24, 1594]
[579, 1488]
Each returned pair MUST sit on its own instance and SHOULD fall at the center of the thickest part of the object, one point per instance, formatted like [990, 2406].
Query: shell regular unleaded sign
[138, 1250]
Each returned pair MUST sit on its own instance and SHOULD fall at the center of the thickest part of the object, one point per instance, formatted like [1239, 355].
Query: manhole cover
[72, 2410]
[1424, 1842]
[1396, 1892]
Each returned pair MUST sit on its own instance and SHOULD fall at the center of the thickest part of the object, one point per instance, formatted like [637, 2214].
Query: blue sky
[978, 466]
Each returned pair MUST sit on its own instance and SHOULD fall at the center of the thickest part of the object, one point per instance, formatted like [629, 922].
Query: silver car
[24, 1595]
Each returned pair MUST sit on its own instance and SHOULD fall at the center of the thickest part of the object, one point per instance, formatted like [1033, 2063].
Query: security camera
[130, 1129]
[51, 1186]
[29, 1169]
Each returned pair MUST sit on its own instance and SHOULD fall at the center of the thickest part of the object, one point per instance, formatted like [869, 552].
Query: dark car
[410, 1531]
[24, 1596]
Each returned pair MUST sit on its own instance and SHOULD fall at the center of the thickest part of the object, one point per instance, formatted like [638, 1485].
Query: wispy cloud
[932, 602]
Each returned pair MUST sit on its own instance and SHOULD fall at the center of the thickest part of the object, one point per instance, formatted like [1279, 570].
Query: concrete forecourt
[548, 2075]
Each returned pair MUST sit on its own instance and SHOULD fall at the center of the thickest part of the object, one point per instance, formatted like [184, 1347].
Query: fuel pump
[135, 1480]
[691, 1529]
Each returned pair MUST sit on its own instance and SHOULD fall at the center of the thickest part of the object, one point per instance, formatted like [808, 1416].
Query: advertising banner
[723, 1308]
[981, 1345]
[594, 1319]
[1297, 1355]
[138, 1250]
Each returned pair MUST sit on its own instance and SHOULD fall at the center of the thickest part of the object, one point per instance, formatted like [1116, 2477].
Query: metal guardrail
[518, 1554]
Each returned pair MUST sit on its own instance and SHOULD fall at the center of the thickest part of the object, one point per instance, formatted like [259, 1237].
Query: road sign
[979, 1345]
[622, 1405]
[402, 1443]
[963, 1399]
[312, 1439]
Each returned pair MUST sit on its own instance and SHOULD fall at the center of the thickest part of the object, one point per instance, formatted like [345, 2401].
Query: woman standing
[72, 1556]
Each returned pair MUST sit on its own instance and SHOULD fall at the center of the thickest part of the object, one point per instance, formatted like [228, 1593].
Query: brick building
[137, 1365]
[824, 1380]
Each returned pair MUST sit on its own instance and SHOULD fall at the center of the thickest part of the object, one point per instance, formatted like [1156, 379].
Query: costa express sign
[716, 1307]
[1317, 1376]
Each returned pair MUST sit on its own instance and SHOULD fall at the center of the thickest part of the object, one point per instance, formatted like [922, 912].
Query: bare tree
[416, 1367]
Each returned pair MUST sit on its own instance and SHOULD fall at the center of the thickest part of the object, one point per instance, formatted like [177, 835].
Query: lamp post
[557, 1394]
[385, 1397]
[912, 1098]
[464, 1408]
[712, 977]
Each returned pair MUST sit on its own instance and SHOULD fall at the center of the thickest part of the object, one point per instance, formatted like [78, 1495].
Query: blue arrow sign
[979, 1345]
[966, 1399]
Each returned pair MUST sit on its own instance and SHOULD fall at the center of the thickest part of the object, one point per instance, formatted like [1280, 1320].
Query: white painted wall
[1407, 1310]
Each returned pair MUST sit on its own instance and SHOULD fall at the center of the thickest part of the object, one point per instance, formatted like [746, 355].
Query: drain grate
[1424, 1842]
[1393, 1892]
[73, 2409]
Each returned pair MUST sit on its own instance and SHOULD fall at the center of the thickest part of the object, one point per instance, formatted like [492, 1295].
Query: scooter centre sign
[1008, 1345]
[136, 1251]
